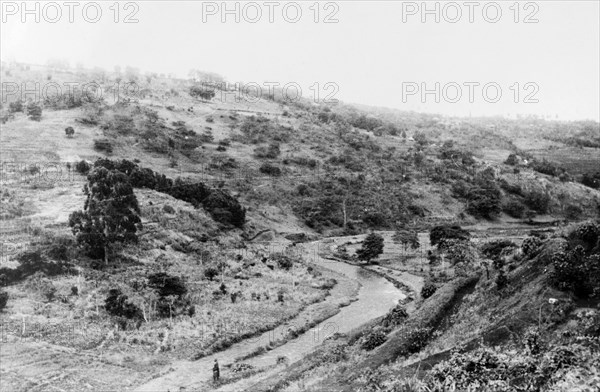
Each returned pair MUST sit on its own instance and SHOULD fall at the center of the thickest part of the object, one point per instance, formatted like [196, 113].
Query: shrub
[394, 317]
[573, 211]
[270, 169]
[225, 209]
[577, 272]
[591, 180]
[103, 145]
[373, 339]
[439, 233]
[587, 235]
[34, 111]
[167, 285]
[512, 160]
[514, 208]
[202, 92]
[484, 201]
[501, 280]
[545, 167]
[270, 152]
[15, 107]
[531, 246]
[210, 273]
[538, 201]
[285, 262]
[82, 167]
[429, 288]
[494, 249]
[117, 304]
[417, 339]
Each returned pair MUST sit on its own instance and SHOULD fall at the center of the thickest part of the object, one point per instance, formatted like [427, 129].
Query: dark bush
[166, 284]
[591, 180]
[445, 232]
[116, 303]
[82, 167]
[394, 317]
[545, 167]
[417, 339]
[210, 273]
[512, 160]
[531, 246]
[429, 288]
[494, 249]
[373, 340]
[514, 208]
[501, 280]
[202, 92]
[371, 247]
[270, 169]
[103, 145]
[538, 201]
[573, 211]
[3, 300]
[224, 208]
[15, 107]
[284, 261]
[34, 111]
[271, 152]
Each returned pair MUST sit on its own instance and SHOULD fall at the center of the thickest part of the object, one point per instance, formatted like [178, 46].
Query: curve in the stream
[375, 298]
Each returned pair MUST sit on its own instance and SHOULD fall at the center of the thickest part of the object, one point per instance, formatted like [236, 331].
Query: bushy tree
[371, 248]
[224, 208]
[34, 111]
[484, 200]
[538, 201]
[118, 304]
[82, 167]
[444, 232]
[110, 214]
[531, 246]
[166, 284]
[202, 92]
[407, 238]
[16, 106]
[591, 180]
[429, 288]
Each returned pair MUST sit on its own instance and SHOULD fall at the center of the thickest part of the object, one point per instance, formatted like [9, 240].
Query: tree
[202, 92]
[372, 247]
[445, 232]
[34, 111]
[110, 214]
[407, 239]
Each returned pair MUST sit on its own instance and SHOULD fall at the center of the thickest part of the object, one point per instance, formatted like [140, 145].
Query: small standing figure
[216, 373]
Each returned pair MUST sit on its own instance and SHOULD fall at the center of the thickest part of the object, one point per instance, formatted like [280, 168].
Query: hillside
[207, 251]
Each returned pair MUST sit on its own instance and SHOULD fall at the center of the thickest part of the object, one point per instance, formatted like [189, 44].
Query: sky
[532, 57]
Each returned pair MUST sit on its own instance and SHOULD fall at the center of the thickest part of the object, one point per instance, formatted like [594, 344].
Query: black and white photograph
[300, 196]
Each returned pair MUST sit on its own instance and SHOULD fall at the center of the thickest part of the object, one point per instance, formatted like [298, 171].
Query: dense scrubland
[160, 224]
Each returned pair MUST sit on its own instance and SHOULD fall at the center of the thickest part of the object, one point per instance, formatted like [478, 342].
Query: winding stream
[375, 298]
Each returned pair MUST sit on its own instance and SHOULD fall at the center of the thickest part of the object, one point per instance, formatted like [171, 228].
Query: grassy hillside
[226, 189]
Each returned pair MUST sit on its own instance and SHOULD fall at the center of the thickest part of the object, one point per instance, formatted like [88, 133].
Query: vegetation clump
[371, 248]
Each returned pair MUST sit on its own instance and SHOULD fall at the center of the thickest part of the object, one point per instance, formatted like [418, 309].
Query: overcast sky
[374, 52]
